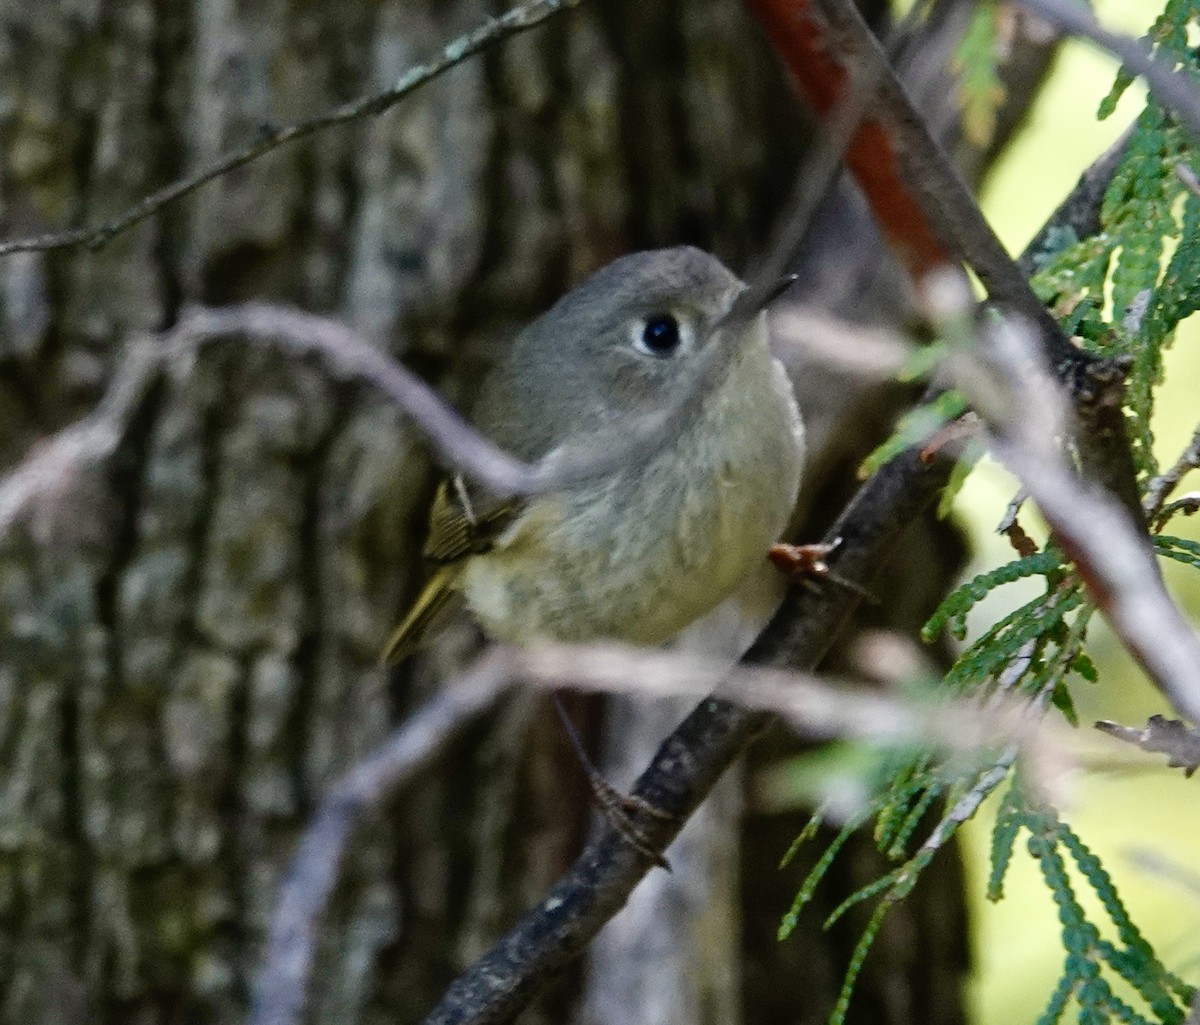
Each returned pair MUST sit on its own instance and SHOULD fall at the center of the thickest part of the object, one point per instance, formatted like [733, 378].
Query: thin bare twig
[291, 944]
[346, 354]
[816, 708]
[1188, 177]
[1171, 88]
[824, 162]
[1161, 487]
[450, 435]
[1011, 527]
[1025, 410]
[865, 353]
[1160, 735]
[946, 203]
[53, 464]
[512, 22]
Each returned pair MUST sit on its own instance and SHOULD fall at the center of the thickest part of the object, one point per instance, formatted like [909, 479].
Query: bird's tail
[438, 600]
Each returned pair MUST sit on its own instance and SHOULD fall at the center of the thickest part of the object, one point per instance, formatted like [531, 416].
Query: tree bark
[190, 629]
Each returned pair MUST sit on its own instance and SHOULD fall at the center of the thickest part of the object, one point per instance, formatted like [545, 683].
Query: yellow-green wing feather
[435, 604]
[460, 525]
[458, 529]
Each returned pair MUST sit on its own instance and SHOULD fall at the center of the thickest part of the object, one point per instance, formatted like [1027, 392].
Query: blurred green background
[1127, 807]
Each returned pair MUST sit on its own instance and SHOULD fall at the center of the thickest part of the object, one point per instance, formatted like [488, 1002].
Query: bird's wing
[435, 604]
[463, 524]
[460, 525]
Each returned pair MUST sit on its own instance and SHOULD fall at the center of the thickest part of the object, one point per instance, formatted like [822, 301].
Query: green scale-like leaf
[996, 649]
[1180, 549]
[1004, 838]
[955, 606]
[976, 63]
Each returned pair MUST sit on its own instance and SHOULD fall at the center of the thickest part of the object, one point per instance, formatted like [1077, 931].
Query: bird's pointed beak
[754, 298]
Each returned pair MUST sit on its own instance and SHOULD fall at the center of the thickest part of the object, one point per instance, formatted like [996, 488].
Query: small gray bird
[639, 551]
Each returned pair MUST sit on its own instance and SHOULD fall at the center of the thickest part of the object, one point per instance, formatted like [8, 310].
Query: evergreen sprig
[977, 64]
[952, 612]
[1122, 291]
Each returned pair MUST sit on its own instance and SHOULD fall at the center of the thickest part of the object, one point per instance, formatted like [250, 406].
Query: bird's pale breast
[638, 559]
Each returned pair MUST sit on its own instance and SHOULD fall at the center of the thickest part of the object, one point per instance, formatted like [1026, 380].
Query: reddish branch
[801, 36]
[930, 216]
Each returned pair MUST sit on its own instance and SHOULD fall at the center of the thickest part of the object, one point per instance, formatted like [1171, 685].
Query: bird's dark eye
[660, 335]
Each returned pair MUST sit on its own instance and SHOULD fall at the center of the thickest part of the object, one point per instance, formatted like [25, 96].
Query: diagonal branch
[691, 760]
[930, 216]
[925, 208]
[512, 22]
[1024, 408]
[1079, 213]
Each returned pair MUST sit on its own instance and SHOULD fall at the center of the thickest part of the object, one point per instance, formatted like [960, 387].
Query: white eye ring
[661, 335]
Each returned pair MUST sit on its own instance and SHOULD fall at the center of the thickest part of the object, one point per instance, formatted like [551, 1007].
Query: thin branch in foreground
[1165, 483]
[863, 353]
[53, 464]
[349, 356]
[1023, 407]
[816, 708]
[291, 945]
[512, 22]
[449, 434]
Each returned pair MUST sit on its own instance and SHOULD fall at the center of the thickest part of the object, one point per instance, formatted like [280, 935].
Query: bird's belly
[639, 559]
[642, 582]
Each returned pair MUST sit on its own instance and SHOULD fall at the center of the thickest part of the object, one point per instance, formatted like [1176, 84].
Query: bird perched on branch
[656, 372]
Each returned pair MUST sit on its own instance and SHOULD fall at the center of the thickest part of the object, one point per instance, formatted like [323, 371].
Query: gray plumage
[638, 552]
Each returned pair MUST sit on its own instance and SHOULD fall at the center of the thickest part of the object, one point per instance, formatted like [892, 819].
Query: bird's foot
[807, 564]
[619, 809]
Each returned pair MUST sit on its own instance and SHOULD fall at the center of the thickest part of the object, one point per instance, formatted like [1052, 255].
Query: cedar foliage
[1121, 291]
